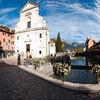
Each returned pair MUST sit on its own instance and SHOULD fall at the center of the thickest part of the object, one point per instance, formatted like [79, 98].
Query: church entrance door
[27, 48]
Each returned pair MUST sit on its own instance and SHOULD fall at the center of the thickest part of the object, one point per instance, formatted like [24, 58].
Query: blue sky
[74, 19]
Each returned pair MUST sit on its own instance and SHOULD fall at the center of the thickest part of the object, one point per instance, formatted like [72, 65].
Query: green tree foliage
[1, 47]
[62, 43]
[77, 50]
[58, 43]
[62, 46]
[53, 39]
[0, 43]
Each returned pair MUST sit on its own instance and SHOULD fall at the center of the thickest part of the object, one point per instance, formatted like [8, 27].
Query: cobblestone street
[16, 84]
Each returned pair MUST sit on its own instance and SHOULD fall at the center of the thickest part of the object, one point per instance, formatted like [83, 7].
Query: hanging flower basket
[61, 69]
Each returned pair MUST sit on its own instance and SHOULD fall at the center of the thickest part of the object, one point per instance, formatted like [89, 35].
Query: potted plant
[61, 70]
[96, 72]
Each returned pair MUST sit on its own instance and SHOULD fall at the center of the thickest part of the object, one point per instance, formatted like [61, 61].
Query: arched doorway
[27, 48]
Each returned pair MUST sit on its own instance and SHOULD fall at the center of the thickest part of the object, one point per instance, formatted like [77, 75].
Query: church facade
[31, 34]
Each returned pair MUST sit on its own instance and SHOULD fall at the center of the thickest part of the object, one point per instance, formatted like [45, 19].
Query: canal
[83, 74]
[81, 71]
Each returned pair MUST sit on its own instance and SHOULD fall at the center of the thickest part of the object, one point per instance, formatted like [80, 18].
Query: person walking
[19, 60]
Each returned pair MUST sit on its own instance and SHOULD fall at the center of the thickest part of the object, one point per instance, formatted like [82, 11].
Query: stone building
[31, 33]
[52, 47]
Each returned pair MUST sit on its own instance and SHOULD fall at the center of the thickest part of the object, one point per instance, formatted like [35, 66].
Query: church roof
[29, 5]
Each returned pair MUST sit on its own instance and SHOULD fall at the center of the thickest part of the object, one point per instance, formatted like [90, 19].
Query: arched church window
[28, 22]
[28, 14]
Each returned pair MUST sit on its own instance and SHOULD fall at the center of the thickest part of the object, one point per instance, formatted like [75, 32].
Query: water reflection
[82, 75]
[83, 61]
[90, 62]
[78, 61]
[81, 72]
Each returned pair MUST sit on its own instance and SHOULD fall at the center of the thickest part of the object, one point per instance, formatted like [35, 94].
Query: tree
[58, 43]
[62, 46]
[0, 43]
[0, 46]
[1, 50]
[77, 50]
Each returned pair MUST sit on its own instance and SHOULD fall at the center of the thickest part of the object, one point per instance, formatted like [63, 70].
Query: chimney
[10, 28]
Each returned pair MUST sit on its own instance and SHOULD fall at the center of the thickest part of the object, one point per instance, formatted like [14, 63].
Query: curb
[80, 88]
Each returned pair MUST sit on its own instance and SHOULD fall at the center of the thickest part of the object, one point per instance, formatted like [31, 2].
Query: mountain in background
[72, 45]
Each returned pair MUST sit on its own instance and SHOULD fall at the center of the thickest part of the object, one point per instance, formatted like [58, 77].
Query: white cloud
[3, 17]
[7, 10]
[8, 21]
[6, 18]
[72, 27]
[12, 22]
[60, 4]
[72, 20]
[97, 10]
[76, 25]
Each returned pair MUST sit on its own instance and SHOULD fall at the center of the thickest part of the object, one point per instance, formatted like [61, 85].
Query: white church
[31, 34]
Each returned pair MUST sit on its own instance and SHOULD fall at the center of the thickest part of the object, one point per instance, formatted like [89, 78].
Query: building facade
[89, 43]
[52, 48]
[7, 39]
[31, 34]
[93, 50]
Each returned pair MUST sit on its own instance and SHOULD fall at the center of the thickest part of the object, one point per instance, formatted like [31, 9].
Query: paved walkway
[12, 60]
[16, 84]
[83, 88]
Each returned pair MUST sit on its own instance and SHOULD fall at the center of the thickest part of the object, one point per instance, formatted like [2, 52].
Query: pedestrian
[62, 77]
[19, 60]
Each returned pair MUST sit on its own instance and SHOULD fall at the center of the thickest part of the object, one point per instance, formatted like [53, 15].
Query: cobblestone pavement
[16, 84]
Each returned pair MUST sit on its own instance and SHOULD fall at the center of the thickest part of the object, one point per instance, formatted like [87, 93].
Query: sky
[75, 20]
